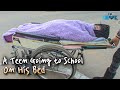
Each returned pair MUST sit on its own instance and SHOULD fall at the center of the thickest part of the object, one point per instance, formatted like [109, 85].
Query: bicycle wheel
[55, 71]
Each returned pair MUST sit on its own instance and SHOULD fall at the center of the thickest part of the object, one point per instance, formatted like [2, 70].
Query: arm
[116, 39]
[89, 27]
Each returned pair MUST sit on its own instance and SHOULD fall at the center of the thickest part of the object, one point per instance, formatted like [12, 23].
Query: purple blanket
[74, 30]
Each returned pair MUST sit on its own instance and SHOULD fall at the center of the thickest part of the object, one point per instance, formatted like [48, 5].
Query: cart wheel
[54, 71]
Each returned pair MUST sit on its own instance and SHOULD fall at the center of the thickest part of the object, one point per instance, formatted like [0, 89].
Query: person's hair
[104, 32]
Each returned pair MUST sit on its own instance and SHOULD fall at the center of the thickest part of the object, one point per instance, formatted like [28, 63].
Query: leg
[116, 62]
[111, 71]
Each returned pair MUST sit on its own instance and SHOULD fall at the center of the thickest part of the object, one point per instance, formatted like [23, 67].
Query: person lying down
[72, 30]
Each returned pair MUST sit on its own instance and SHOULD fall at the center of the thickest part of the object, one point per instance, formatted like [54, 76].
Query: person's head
[101, 30]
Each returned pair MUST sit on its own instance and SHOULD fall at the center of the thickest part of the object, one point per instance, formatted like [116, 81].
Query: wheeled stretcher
[26, 45]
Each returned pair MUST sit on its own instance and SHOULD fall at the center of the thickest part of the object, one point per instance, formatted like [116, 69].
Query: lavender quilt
[73, 30]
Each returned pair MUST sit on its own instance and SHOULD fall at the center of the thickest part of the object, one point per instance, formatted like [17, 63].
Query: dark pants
[111, 71]
[115, 62]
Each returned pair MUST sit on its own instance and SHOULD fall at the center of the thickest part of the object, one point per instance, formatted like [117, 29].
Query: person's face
[97, 27]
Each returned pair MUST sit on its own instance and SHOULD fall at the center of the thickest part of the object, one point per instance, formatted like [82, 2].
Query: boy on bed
[73, 30]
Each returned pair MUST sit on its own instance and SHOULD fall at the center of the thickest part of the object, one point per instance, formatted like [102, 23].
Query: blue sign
[110, 16]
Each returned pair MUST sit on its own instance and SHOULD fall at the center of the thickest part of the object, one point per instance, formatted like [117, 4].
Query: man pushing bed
[112, 69]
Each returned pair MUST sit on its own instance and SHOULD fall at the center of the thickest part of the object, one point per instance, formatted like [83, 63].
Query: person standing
[112, 69]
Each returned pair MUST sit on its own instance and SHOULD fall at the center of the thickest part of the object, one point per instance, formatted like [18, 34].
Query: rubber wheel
[54, 51]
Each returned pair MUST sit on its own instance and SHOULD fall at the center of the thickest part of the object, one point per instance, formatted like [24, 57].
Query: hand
[118, 34]
[115, 40]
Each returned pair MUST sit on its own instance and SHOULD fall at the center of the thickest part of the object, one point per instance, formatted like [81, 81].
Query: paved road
[96, 60]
